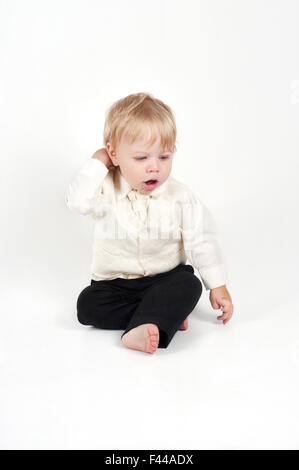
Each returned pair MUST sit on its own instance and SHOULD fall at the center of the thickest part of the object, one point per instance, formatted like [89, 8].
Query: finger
[224, 302]
[227, 308]
[227, 318]
[225, 312]
[224, 316]
[220, 317]
[215, 303]
[223, 308]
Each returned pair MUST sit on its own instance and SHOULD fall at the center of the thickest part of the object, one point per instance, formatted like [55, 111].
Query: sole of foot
[184, 325]
[142, 338]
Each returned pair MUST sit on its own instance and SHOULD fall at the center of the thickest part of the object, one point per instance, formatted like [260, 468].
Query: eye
[163, 157]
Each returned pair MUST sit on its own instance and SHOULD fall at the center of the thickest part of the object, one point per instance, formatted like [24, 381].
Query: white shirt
[139, 234]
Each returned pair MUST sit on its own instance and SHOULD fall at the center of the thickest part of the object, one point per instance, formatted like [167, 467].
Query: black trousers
[165, 299]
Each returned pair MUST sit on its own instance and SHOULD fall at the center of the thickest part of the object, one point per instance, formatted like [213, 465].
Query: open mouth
[150, 182]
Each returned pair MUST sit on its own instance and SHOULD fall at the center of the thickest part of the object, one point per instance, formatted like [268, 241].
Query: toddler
[147, 226]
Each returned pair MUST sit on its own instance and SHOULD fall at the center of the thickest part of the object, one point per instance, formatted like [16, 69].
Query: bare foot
[143, 338]
[184, 325]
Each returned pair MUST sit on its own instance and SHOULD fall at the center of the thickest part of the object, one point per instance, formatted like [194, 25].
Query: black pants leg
[165, 299]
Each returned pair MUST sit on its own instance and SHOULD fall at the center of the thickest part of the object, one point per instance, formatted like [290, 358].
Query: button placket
[140, 207]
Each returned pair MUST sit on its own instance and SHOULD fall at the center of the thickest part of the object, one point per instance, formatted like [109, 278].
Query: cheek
[134, 170]
[168, 167]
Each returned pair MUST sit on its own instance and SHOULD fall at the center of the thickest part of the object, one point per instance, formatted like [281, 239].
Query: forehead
[144, 145]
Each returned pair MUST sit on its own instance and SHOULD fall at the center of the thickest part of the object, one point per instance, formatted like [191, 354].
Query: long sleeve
[201, 245]
[85, 191]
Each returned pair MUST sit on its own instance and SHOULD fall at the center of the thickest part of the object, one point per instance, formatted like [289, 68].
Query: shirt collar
[124, 189]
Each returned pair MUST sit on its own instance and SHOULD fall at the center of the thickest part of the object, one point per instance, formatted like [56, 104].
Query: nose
[153, 166]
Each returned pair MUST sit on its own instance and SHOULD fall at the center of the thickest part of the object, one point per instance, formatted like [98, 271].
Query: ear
[112, 154]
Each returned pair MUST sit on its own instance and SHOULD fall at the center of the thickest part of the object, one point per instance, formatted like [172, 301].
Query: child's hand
[220, 298]
[103, 156]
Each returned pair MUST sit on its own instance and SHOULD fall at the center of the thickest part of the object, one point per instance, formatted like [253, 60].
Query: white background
[230, 72]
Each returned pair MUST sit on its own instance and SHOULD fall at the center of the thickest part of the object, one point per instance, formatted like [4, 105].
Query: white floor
[235, 93]
[69, 386]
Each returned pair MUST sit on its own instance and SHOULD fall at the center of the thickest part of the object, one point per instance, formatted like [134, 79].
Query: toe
[153, 338]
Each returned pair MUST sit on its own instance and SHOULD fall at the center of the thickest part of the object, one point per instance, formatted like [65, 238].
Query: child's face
[139, 163]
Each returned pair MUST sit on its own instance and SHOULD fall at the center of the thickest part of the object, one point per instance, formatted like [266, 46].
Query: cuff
[213, 277]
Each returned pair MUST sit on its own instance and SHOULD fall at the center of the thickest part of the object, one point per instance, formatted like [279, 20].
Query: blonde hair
[129, 116]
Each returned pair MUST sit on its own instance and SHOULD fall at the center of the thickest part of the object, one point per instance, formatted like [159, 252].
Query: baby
[147, 226]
